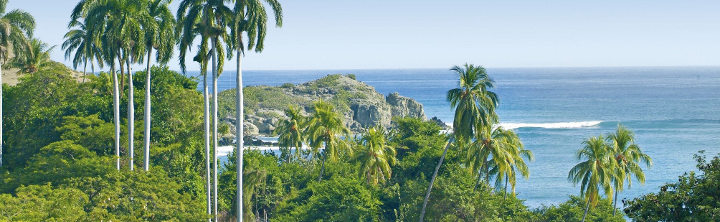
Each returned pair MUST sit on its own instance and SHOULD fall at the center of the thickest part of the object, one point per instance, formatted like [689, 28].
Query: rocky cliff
[358, 102]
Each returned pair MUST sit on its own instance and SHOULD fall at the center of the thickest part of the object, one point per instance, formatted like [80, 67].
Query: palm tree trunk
[116, 113]
[147, 113]
[587, 208]
[322, 168]
[131, 117]
[615, 202]
[505, 189]
[478, 179]
[206, 116]
[239, 143]
[432, 181]
[84, 71]
[122, 74]
[215, 132]
[1, 116]
[92, 67]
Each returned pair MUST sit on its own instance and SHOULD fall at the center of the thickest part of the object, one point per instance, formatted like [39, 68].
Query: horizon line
[499, 67]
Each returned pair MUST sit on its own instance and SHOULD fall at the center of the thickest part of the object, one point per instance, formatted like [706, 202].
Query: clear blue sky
[354, 34]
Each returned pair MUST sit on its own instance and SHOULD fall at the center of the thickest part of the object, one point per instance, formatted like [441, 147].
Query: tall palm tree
[474, 106]
[628, 157]
[249, 17]
[595, 173]
[119, 25]
[290, 131]
[207, 19]
[375, 156]
[38, 56]
[16, 27]
[324, 130]
[81, 41]
[159, 35]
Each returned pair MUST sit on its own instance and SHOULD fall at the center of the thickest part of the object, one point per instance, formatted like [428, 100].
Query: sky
[395, 34]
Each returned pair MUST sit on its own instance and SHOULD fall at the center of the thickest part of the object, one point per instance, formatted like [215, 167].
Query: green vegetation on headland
[64, 159]
[358, 103]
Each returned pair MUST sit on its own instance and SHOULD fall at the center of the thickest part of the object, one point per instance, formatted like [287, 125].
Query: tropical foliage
[290, 133]
[16, 27]
[595, 173]
[325, 130]
[59, 164]
[37, 57]
[628, 157]
[694, 197]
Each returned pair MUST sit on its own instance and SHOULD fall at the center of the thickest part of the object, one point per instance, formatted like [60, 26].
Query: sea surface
[674, 112]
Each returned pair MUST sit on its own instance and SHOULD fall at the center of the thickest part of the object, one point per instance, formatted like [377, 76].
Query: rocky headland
[360, 104]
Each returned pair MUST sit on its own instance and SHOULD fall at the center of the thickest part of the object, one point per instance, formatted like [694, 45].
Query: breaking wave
[559, 125]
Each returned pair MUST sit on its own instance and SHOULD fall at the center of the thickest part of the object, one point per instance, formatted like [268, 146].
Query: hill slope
[358, 102]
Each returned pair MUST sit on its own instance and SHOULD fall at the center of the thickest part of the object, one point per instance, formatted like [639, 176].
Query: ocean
[674, 112]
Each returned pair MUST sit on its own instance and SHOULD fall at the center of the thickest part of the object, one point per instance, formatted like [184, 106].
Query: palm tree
[375, 156]
[256, 178]
[474, 108]
[505, 152]
[209, 20]
[290, 131]
[249, 17]
[628, 157]
[325, 129]
[16, 27]
[160, 35]
[596, 172]
[82, 42]
[37, 57]
[118, 23]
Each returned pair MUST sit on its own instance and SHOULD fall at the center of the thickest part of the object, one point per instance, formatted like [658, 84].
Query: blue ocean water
[674, 111]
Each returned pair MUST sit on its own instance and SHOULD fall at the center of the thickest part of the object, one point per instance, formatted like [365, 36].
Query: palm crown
[375, 156]
[290, 131]
[474, 104]
[37, 57]
[325, 128]
[251, 17]
[596, 172]
[81, 41]
[207, 19]
[16, 27]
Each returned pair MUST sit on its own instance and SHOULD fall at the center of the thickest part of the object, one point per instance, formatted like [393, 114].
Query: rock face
[359, 103]
[404, 106]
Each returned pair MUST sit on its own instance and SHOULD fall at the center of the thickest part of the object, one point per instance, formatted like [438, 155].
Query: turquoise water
[674, 111]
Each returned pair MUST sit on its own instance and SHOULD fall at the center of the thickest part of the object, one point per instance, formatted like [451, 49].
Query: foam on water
[559, 125]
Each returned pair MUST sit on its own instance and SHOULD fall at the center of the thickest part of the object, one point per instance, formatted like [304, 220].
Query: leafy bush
[695, 197]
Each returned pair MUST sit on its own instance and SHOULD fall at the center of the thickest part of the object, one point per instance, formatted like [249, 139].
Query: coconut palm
[38, 56]
[595, 173]
[249, 17]
[628, 158]
[159, 35]
[375, 156]
[290, 131]
[256, 179]
[498, 152]
[324, 130]
[474, 106]
[16, 27]
[516, 165]
[81, 41]
[207, 19]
